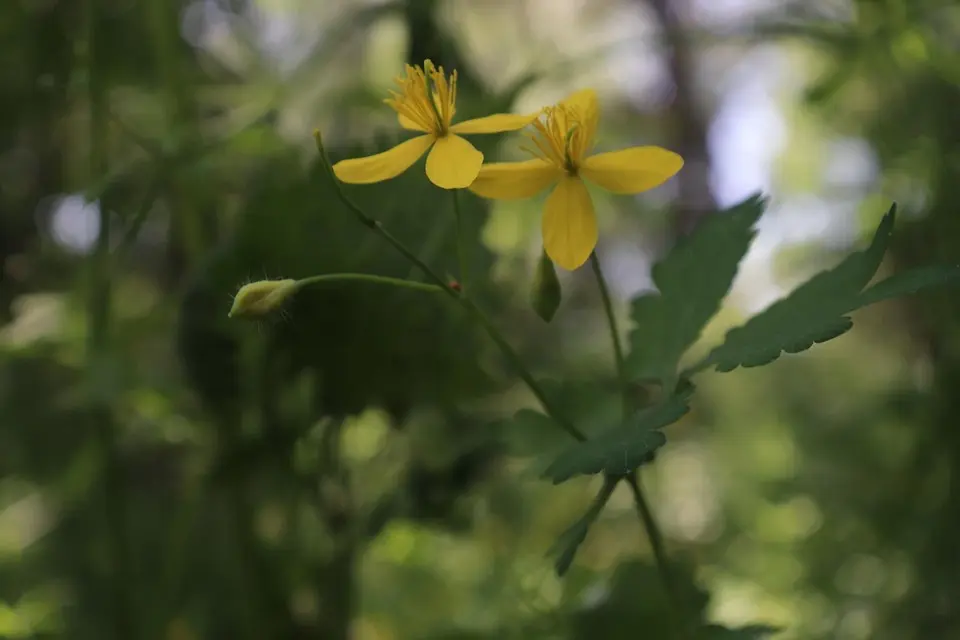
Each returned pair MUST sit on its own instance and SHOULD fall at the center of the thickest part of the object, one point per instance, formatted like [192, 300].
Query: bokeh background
[343, 471]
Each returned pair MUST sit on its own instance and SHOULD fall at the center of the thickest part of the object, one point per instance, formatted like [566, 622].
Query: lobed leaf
[566, 546]
[622, 449]
[692, 281]
[818, 310]
[909, 282]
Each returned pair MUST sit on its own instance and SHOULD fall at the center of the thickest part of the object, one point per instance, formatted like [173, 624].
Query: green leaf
[565, 548]
[818, 310]
[750, 632]
[692, 280]
[590, 405]
[622, 449]
[909, 282]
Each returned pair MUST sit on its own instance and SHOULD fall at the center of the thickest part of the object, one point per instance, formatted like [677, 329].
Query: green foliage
[669, 322]
[819, 309]
[692, 281]
[621, 449]
[613, 450]
[910, 282]
[591, 405]
[565, 548]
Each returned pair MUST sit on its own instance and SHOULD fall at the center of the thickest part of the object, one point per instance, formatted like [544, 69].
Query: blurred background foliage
[341, 472]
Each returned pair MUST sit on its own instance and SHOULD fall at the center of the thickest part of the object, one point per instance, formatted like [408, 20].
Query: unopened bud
[545, 294]
[456, 286]
[261, 298]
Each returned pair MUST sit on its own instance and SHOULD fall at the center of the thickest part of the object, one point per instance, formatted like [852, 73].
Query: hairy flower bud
[545, 294]
[261, 298]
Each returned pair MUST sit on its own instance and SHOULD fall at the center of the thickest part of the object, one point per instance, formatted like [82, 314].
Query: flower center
[426, 98]
[560, 138]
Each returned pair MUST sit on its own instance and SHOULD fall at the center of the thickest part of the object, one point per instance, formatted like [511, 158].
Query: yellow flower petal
[453, 163]
[569, 224]
[494, 124]
[584, 99]
[515, 180]
[383, 166]
[410, 124]
[631, 170]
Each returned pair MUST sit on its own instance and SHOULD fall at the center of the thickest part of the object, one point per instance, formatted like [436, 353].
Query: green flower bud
[545, 294]
[261, 298]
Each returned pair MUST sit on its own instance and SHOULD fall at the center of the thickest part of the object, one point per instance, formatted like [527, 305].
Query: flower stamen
[559, 138]
[426, 97]
[443, 96]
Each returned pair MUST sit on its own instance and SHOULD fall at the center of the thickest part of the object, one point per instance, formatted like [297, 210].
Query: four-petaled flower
[426, 103]
[564, 139]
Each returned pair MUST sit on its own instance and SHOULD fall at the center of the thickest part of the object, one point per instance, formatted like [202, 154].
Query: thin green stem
[659, 554]
[429, 248]
[694, 369]
[517, 363]
[376, 227]
[461, 243]
[633, 479]
[602, 497]
[367, 277]
[512, 356]
[614, 330]
[646, 514]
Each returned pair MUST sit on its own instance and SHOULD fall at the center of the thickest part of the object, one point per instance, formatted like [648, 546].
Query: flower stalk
[479, 316]
[263, 297]
[462, 251]
[644, 513]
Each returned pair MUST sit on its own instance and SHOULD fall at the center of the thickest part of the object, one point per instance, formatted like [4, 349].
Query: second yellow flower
[564, 139]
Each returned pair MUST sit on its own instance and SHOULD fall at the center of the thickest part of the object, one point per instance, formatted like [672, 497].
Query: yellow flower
[427, 102]
[564, 139]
